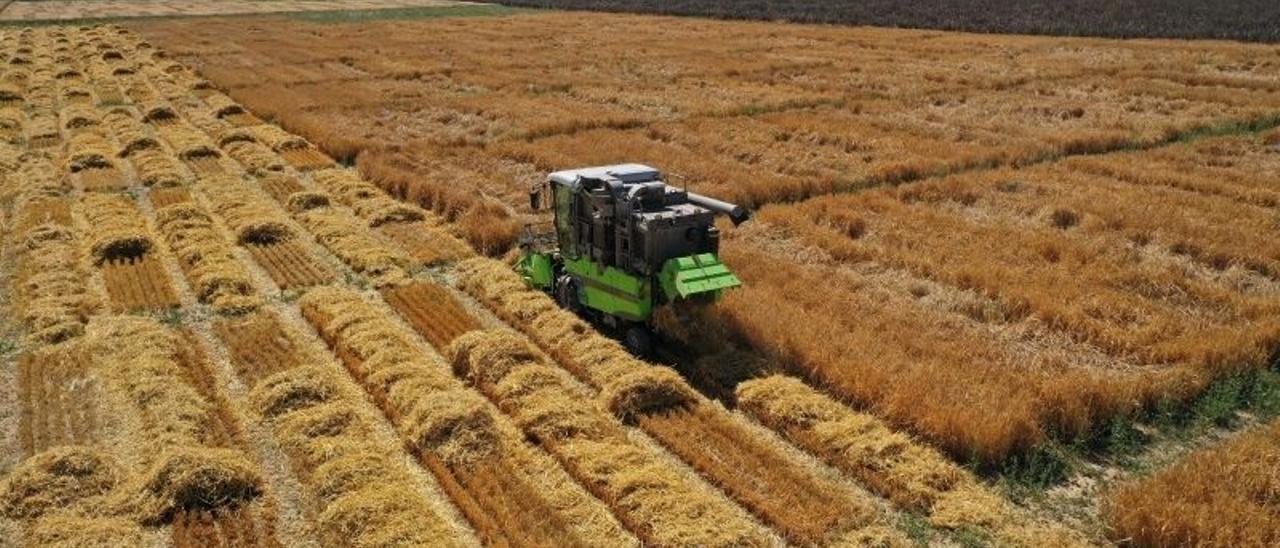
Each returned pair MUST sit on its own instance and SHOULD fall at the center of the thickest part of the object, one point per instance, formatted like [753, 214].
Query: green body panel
[611, 290]
[536, 268]
[685, 277]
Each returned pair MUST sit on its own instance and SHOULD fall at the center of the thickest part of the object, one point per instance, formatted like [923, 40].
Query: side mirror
[535, 197]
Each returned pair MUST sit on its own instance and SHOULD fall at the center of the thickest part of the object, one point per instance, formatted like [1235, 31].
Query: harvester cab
[623, 242]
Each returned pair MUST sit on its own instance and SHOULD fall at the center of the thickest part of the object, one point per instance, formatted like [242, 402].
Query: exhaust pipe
[736, 213]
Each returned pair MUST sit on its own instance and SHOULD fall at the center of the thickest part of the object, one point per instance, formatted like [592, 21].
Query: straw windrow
[664, 506]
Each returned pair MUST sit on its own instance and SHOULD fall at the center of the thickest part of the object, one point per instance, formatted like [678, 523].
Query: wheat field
[260, 293]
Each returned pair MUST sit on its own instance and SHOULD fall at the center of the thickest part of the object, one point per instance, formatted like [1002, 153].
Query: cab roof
[627, 173]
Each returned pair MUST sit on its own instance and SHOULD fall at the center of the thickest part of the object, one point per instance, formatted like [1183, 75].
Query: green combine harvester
[624, 243]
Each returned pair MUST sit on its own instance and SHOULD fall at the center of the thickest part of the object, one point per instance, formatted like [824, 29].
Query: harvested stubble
[432, 310]
[913, 476]
[35, 209]
[281, 187]
[119, 229]
[250, 525]
[58, 400]
[138, 284]
[216, 275]
[291, 265]
[353, 242]
[1222, 496]
[259, 345]
[369, 202]
[662, 505]
[807, 508]
[307, 159]
[162, 197]
[454, 430]
[365, 496]
[140, 359]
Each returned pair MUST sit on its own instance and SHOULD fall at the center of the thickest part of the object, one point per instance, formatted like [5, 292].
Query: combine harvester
[624, 243]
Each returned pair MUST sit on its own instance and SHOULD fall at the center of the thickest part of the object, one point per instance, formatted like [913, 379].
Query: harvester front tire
[567, 294]
[638, 340]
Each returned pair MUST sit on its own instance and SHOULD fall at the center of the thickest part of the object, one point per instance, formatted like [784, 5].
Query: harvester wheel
[567, 293]
[638, 340]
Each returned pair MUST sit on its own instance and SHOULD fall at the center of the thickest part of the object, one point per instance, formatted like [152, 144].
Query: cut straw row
[188, 142]
[912, 476]
[367, 200]
[99, 495]
[664, 505]
[50, 284]
[350, 240]
[249, 213]
[254, 156]
[628, 386]
[141, 361]
[435, 413]
[365, 495]
[217, 276]
[50, 291]
[128, 129]
[88, 150]
[119, 229]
